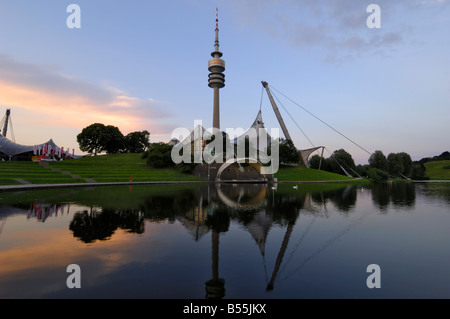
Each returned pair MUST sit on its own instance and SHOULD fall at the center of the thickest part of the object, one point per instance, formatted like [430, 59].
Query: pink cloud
[50, 98]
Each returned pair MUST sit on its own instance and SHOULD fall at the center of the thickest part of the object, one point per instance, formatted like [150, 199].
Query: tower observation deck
[216, 78]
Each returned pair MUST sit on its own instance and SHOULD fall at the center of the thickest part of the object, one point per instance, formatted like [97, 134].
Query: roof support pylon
[277, 112]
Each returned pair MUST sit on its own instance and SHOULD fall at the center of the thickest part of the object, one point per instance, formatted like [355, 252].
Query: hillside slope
[438, 170]
[298, 173]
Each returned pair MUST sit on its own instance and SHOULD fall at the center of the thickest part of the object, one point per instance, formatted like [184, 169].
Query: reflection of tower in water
[250, 205]
[215, 287]
[218, 220]
[243, 198]
[226, 202]
[211, 213]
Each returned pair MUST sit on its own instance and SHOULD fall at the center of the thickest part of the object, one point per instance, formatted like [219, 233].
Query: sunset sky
[142, 65]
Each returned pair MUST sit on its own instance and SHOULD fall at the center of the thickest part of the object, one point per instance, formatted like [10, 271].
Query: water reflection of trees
[213, 207]
[94, 225]
[344, 199]
[257, 207]
[440, 190]
[399, 194]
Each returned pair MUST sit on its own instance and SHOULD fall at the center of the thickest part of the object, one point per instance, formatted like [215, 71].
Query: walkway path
[47, 165]
[6, 188]
[22, 181]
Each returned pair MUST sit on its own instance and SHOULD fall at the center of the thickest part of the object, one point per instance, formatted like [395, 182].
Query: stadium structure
[11, 151]
[196, 138]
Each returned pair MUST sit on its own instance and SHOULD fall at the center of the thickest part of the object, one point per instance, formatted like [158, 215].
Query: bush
[378, 160]
[341, 158]
[377, 175]
[187, 168]
[362, 170]
[418, 172]
[159, 155]
[287, 152]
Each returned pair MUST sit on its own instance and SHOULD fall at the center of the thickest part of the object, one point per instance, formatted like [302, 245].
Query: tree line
[97, 138]
[158, 155]
[379, 168]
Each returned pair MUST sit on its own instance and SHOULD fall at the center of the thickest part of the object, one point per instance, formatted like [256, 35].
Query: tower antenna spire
[216, 67]
[216, 43]
[217, 19]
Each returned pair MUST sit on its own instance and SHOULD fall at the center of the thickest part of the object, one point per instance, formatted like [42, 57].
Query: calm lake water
[227, 241]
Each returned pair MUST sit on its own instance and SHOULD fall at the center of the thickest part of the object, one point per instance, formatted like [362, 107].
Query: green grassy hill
[11, 173]
[438, 170]
[104, 168]
[120, 167]
[297, 173]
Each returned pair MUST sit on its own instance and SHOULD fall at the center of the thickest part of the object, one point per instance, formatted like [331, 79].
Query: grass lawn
[120, 167]
[104, 168]
[33, 173]
[296, 173]
[117, 197]
[438, 170]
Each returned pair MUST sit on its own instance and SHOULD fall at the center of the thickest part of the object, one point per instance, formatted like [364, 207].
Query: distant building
[173, 142]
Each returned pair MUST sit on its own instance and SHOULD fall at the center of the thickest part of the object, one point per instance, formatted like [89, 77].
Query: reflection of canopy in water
[262, 222]
[308, 204]
[259, 229]
[254, 202]
[196, 229]
[194, 221]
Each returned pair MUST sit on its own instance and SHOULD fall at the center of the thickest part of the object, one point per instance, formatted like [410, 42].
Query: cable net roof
[256, 127]
[10, 148]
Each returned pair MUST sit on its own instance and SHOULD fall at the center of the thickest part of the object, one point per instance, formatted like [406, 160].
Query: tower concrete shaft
[216, 67]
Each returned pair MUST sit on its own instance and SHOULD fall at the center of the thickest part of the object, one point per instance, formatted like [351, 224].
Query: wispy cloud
[71, 102]
[434, 1]
[338, 28]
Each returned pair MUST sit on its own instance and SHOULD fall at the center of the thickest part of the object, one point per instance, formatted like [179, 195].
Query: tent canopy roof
[10, 148]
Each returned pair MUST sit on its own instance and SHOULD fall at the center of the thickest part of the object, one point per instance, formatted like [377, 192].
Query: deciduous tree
[288, 152]
[378, 160]
[137, 142]
[114, 141]
[342, 158]
[92, 138]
